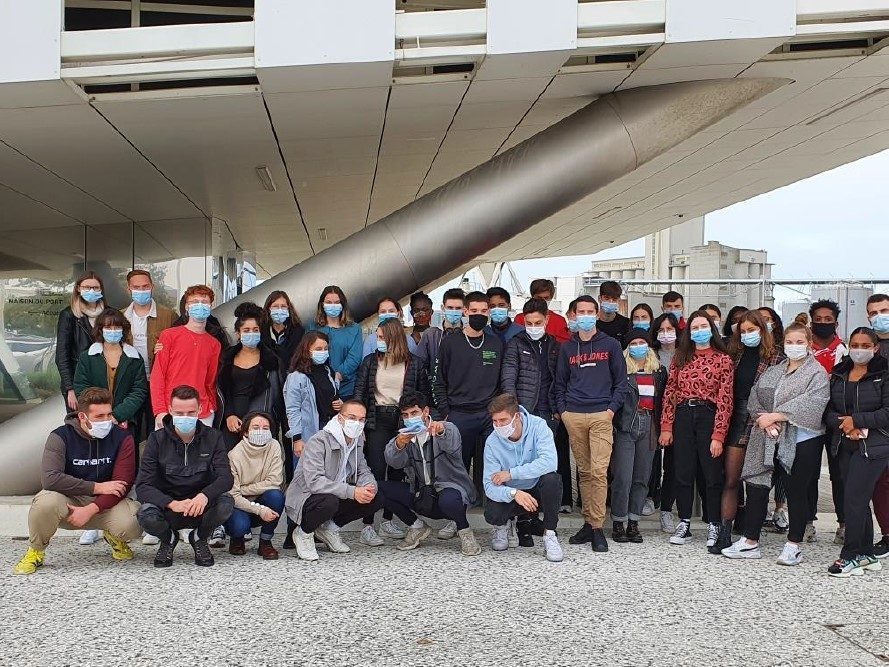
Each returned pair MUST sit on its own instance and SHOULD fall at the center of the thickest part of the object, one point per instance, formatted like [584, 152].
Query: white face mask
[717, 324]
[259, 437]
[100, 430]
[796, 352]
[506, 430]
[666, 337]
[352, 428]
[861, 356]
[535, 333]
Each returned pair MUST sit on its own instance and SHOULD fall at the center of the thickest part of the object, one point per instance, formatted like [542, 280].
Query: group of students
[326, 426]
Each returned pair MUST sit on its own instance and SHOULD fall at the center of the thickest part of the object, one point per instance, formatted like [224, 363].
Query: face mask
[352, 428]
[141, 297]
[453, 316]
[586, 322]
[639, 351]
[199, 311]
[477, 322]
[717, 324]
[101, 429]
[320, 356]
[185, 424]
[381, 346]
[751, 339]
[676, 313]
[387, 316]
[535, 333]
[701, 336]
[609, 307]
[861, 356]
[259, 437]
[734, 327]
[90, 296]
[667, 337]
[880, 323]
[499, 315]
[769, 326]
[112, 335]
[279, 315]
[415, 423]
[506, 430]
[796, 352]
[644, 325]
[250, 339]
[572, 326]
[333, 309]
[824, 330]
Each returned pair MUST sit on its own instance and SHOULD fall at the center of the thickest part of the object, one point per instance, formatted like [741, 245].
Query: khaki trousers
[591, 436]
[49, 512]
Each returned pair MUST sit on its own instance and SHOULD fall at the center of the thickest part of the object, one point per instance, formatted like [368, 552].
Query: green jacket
[130, 385]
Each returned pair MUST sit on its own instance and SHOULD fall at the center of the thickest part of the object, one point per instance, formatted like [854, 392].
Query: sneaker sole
[680, 540]
[324, 541]
[499, 548]
[873, 567]
[789, 563]
[743, 555]
[554, 560]
[309, 559]
[368, 543]
[858, 572]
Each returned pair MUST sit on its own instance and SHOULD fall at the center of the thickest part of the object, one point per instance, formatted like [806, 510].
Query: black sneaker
[600, 544]
[582, 536]
[202, 554]
[164, 555]
[881, 548]
[633, 534]
[682, 534]
[724, 540]
[523, 530]
[618, 534]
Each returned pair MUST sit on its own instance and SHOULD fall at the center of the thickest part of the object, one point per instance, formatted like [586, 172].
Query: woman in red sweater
[697, 411]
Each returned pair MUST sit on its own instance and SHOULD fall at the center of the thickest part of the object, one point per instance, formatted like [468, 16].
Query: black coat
[286, 343]
[365, 383]
[267, 394]
[870, 408]
[631, 400]
[520, 373]
[74, 336]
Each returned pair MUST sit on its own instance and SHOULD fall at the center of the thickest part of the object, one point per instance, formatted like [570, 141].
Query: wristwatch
[512, 493]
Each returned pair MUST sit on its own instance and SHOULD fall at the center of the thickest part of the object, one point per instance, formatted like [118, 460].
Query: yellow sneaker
[29, 562]
[120, 550]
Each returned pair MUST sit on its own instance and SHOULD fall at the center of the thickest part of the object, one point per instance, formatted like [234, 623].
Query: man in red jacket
[556, 326]
[89, 465]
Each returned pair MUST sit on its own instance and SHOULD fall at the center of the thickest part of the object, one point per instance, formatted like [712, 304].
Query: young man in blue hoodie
[590, 384]
[520, 473]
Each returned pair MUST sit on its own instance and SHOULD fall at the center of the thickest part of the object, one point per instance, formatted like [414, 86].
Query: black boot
[724, 540]
[202, 554]
[582, 536]
[164, 556]
[633, 534]
[618, 534]
[288, 541]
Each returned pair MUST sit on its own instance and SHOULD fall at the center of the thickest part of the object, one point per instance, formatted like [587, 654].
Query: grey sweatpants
[631, 468]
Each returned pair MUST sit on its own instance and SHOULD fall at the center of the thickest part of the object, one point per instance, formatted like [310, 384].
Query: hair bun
[248, 309]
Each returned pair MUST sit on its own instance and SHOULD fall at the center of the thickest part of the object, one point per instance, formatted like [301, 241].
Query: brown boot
[236, 546]
[267, 551]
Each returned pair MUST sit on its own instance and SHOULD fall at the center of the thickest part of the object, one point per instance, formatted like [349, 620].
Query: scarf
[336, 429]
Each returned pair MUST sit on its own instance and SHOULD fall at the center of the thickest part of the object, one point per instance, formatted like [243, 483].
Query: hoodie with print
[527, 459]
[591, 376]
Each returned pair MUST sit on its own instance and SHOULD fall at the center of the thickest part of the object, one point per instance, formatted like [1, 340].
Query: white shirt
[139, 324]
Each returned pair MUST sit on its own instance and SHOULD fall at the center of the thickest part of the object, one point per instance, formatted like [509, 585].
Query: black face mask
[478, 322]
[824, 330]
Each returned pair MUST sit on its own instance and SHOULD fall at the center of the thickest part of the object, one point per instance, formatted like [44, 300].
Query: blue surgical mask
[320, 356]
[381, 346]
[499, 315]
[184, 424]
[751, 339]
[609, 307]
[333, 309]
[415, 423]
[676, 313]
[701, 336]
[880, 323]
[572, 326]
[453, 316]
[141, 297]
[279, 315]
[112, 335]
[90, 296]
[388, 316]
[645, 326]
[250, 339]
[639, 350]
[586, 322]
[199, 311]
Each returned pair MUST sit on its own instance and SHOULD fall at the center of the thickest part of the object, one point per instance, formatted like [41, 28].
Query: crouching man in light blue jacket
[520, 473]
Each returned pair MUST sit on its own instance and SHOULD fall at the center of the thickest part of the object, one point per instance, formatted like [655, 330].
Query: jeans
[388, 421]
[547, 492]
[399, 499]
[240, 522]
[631, 468]
[592, 437]
[692, 433]
[159, 521]
[322, 507]
[474, 429]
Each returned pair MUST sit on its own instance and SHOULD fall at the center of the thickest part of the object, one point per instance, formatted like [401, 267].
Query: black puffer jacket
[631, 402]
[284, 344]
[74, 336]
[520, 374]
[869, 409]
[414, 380]
[267, 394]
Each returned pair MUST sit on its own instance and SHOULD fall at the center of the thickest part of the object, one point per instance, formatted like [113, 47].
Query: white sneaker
[667, 524]
[682, 534]
[369, 537]
[469, 546]
[554, 552]
[500, 538]
[811, 536]
[305, 544]
[790, 555]
[648, 507]
[512, 538]
[712, 534]
[332, 539]
[390, 529]
[413, 537]
[217, 539]
[88, 537]
[782, 521]
[248, 536]
[741, 550]
[447, 531]
[150, 540]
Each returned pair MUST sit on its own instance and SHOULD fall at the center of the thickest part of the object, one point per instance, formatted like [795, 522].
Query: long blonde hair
[650, 364]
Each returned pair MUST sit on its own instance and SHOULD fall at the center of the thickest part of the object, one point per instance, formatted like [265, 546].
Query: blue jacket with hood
[530, 457]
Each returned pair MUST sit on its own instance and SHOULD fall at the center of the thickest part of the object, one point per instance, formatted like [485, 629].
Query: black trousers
[563, 454]
[692, 433]
[474, 427]
[861, 480]
[159, 521]
[547, 492]
[388, 421]
[837, 466]
[806, 465]
[322, 507]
